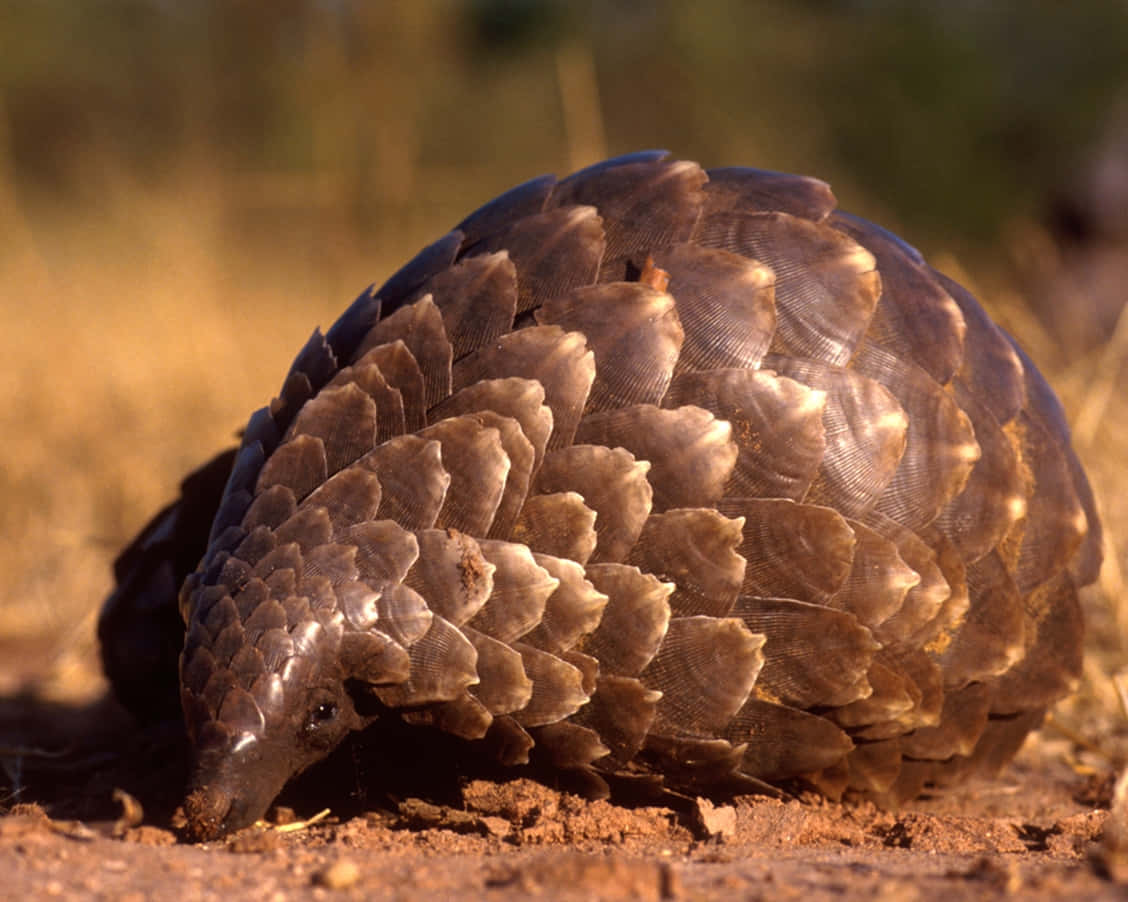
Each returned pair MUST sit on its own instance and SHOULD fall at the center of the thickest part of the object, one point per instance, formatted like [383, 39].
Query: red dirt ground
[1036, 833]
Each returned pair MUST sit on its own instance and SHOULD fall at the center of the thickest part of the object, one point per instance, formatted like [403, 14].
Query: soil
[94, 817]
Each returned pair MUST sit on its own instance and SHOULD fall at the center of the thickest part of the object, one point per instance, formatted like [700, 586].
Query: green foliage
[976, 110]
[951, 116]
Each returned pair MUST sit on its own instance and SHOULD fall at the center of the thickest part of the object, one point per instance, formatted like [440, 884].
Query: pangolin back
[648, 471]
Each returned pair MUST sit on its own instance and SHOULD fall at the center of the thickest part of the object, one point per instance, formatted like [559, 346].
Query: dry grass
[141, 338]
[142, 334]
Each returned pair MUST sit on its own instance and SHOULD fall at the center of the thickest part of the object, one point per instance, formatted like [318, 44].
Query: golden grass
[143, 333]
[140, 339]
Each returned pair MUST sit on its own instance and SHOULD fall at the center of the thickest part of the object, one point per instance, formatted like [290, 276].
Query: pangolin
[653, 473]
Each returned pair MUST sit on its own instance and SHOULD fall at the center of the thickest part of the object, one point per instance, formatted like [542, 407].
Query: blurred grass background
[187, 188]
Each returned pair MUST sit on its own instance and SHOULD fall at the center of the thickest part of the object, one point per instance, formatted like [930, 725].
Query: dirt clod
[717, 821]
[341, 874]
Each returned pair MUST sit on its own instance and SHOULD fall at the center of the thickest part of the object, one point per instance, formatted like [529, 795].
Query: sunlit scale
[242, 742]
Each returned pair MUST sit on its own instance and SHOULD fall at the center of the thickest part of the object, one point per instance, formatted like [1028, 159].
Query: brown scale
[671, 476]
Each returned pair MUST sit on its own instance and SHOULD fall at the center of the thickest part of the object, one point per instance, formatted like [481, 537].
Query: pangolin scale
[651, 472]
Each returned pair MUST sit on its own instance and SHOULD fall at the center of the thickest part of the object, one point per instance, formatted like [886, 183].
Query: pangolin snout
[214, 809]
[206, 811]
[232, 786]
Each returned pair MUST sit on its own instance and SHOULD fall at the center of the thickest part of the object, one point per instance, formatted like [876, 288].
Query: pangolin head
[265, 688]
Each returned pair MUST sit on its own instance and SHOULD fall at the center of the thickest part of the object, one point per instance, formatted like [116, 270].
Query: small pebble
[282, 814]
[341, 874]
[495, 826]
[717, 820]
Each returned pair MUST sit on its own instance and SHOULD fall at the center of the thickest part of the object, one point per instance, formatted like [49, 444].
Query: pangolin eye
[322, 724]
[322, 713]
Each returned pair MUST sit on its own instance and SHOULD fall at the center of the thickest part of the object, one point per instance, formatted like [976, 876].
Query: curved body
[651, 471]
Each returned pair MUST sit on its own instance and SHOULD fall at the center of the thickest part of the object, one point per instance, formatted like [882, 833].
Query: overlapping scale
[521, 455]
[940, 446]
[739, 189]
[374, 658]
[504, 686]
[558, 690]
[521, 588]
[696, 550]
[299, 465]
[559, 361]
[644, 204]
[799, 551]
[878, 580]
[313, 366]
[520, 399]
[777, 425]
[826, 285]
[962, 721]
[1046, 410]
[555, 252]
[420, 327]
[917, 319]
[271, 508]
[691, 452]
[350, 497]
[865, 430]
[559, 524]
[994, 498]
[569, 746]
[258, 543]
[463, 716]
[925, 599]
[1055, 524]
[634, 622]
[572, 611]
[451, 573]
[390, 419]
[613, 483]
[922, 672]
[401, 372]
[783, 742]
[633, 331]
[1051, 665]
[893, 695]
[935, 634]
[726, 305]
[309, 528]
[705, 669]
[991, 368]
[992, 637]
[478, 468]
[413, 480]
[622, 712]
[814, 656]
[443, 664]
[874, 766]
[690, 762]
[477, 298]
[344, 418]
